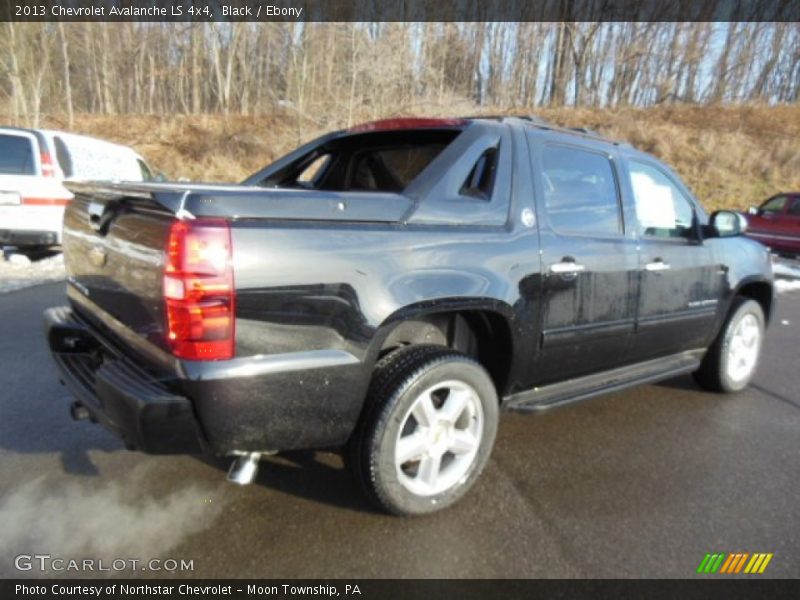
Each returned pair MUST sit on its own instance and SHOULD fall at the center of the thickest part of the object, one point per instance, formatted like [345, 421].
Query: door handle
[566, 267]
[656, 266]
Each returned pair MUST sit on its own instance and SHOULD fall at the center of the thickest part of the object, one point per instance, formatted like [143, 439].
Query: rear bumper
[22, 225]
[119, 395]
[296, 401]
[12, 237]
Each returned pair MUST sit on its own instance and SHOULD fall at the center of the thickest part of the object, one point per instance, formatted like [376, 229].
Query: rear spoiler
[250, 202]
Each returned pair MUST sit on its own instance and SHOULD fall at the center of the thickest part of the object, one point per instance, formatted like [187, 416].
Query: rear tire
[732, 360]
[429, 425]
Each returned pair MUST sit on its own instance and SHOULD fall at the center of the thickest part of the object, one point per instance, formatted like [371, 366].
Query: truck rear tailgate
[114, 257]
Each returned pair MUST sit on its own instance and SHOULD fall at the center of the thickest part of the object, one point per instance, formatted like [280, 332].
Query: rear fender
[431, 322]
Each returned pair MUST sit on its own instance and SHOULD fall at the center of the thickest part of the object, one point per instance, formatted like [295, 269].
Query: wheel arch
[480, 329]
[760, 290]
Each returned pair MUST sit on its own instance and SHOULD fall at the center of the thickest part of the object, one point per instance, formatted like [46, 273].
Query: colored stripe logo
[731, 564]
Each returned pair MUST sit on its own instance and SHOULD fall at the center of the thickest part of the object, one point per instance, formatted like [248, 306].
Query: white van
[33, 165]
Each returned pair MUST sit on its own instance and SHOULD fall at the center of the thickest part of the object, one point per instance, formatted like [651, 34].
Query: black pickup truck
[388, 289]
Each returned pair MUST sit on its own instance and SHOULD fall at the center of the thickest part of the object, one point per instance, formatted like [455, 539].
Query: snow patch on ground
[787, 275]
[785, 285]
[17, 271]
[786, 269]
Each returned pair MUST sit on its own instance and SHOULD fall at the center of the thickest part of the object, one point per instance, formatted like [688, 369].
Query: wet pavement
[638, 484]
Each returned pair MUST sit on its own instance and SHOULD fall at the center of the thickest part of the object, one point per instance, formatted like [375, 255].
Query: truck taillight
[48, 168]
[198, 290]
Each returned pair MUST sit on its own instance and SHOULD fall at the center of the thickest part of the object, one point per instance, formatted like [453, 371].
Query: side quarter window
[663, 211]
[147, 175]
[315, 168]
[480, 181]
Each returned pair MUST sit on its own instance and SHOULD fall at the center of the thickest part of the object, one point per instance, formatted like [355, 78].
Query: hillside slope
[730, 156]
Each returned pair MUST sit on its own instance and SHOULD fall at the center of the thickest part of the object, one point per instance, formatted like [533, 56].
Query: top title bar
[401, 10]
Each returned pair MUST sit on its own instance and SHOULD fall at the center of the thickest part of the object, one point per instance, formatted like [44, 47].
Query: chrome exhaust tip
[244, 469]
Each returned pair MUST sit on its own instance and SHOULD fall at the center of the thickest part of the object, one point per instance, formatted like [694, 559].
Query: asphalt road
[638, 484]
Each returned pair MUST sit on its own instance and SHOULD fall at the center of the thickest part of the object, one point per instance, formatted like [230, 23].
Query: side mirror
[727, 223]
[753, 210]
[159, 177]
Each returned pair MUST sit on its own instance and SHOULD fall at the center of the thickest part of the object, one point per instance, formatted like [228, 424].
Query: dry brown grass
[730, 156]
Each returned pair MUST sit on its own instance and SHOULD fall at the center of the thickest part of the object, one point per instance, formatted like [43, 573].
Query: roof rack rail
[539, 121]
[585, 130]
[531, 118]
[544, 123]
[486, 117]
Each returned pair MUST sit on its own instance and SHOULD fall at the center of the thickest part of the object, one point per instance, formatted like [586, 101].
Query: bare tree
[345, 71]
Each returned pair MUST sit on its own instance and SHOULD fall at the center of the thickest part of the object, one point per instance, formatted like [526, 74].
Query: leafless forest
[215, 102]
[345, 71]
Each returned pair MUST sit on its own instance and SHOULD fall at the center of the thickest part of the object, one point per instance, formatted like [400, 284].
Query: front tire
[731, 362]
[427, 431]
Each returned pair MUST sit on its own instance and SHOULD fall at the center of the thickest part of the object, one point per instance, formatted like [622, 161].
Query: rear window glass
[381, 161]
[16, 156]
[392, 169]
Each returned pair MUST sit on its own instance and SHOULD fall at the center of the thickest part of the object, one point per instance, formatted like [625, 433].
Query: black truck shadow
[682, 382]
[311, 475]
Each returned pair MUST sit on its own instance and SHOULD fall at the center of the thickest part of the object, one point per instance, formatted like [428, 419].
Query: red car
[776, 223]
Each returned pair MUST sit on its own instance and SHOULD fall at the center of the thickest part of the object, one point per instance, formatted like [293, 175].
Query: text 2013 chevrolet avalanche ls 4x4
[389, 288]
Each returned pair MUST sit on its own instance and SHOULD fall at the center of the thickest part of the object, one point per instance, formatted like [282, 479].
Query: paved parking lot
[638, 484]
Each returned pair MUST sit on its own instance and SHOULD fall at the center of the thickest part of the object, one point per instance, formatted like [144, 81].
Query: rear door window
[16, 155]
[580, 192]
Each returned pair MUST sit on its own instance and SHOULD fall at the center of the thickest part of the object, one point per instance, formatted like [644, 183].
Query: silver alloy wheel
[439, 438]
[743, 348]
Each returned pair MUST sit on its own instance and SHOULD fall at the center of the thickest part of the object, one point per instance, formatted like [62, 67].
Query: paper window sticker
[654, 206]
